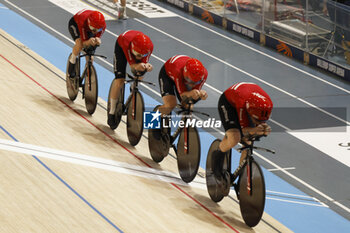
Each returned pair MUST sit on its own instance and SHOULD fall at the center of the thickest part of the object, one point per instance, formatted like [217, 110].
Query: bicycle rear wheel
[90, 89]
[252, 205]
[119, 109]
[158, 142]
[73, 85]
[188, 153]
[214, 188]
[134, 123]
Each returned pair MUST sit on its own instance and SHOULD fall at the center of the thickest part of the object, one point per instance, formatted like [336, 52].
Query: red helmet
[259, 106]
[97, 20]
[194, 70]
[141, 44]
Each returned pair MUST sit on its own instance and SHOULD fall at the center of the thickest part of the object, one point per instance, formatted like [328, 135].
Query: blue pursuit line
[66, 184]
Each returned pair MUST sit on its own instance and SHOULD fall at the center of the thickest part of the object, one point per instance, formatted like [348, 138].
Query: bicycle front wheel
[90, 89]
[135, 118]
[252, 197]
[188, 153]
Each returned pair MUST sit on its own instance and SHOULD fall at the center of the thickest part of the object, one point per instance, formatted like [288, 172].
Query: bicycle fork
[132, 100]
[246, 162]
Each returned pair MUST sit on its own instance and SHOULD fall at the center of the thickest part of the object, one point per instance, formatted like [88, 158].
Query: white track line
[296, 202]
[113, 166]
[288, 194]
[277, 169]
[96, 162]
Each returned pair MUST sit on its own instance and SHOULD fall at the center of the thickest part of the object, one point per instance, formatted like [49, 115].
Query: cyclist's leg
[229, 119]
[166, 86]
[74, 32]
[119, 65]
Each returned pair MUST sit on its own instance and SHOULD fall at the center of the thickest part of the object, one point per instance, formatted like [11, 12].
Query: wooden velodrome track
[49, 184]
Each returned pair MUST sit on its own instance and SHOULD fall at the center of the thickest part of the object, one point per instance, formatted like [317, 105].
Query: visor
[139, 54]
[95, 30]
[191, 82]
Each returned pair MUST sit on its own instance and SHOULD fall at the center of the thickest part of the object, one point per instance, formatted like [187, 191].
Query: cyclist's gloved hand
[267, 129]
[195, 94]
[257, 131]
[203, 94]
[138, 73]
[148, 67]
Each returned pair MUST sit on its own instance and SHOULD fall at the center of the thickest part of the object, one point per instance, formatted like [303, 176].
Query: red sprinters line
[110, 137]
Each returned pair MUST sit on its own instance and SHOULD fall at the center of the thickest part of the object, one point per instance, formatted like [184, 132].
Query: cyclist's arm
[138, 67]
[194, 94]
[86, 43]
[91, 42]
[248, 131]
[259, 130]
[141, 67]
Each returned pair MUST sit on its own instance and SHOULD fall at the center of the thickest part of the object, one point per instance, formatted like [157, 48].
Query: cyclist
[86, 28]
[131, 47]
[183, 76]
[244, 109]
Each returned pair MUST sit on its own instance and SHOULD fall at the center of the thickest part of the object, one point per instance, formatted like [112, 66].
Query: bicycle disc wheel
[134, 125]
[72, 87]
[158, 143]
[252, 205]
[188, 153]
[213, 187]
[90, 89]
[119, 106]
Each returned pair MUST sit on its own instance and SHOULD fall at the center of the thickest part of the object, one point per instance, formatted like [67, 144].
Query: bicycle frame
[89, 52]
[246, 161]
[187, 113]
[131, 99]
[134, 88]
[177, 132]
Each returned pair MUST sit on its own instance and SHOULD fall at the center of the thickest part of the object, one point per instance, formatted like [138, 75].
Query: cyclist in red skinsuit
[131, 47]
[184, 77]
[244, 109]
[86, 28]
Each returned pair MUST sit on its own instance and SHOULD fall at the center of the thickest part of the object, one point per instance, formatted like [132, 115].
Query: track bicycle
[250, 186]
[188, 149]
[88, 80]
[133, 108]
